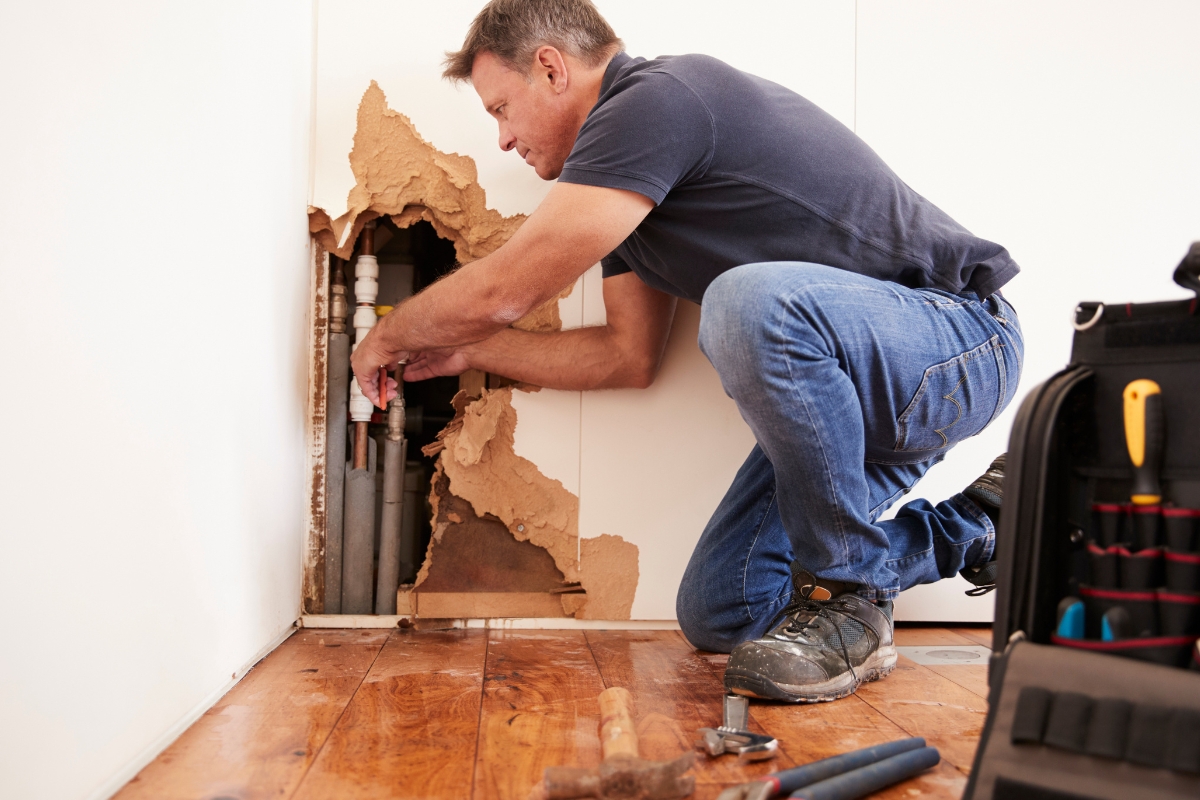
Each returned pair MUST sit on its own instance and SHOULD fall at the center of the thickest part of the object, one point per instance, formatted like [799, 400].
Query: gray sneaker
[829, 642]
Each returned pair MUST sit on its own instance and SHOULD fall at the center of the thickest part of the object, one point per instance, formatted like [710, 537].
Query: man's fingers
[368, 384]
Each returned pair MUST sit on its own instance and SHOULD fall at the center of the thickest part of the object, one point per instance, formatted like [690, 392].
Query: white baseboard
[163, 741]
[547, 624]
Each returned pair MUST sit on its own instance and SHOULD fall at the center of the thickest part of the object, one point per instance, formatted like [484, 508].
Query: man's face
[536, 115]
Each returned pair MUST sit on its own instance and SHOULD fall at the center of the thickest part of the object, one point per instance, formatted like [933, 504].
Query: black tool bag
[1095, 683]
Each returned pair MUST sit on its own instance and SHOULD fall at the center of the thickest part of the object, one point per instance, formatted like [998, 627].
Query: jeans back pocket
[956, 400]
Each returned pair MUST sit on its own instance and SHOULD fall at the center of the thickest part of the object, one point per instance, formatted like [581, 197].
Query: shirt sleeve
[650, 134]
[612, 264]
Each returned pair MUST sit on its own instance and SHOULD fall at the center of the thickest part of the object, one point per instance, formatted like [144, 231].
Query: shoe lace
[810, 610]
[980, 591]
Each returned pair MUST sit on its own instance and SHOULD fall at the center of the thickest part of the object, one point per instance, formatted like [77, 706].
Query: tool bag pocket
[1183, 571]
[1067, 723]
[1141, 606]
[1140, 570]
[1178, 613]
[1110, 524]
[1179, 528]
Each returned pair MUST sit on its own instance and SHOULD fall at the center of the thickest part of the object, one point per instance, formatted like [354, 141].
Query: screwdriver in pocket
[1144, 435]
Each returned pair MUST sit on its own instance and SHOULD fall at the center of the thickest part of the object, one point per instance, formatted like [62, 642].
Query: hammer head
[623, 778]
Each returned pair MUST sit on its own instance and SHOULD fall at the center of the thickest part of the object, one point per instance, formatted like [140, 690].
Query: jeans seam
[750, 551]
[971, 508]
[838, 513]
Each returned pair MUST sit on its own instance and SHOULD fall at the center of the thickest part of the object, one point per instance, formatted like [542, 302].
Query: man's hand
[436, 364]
[573, 228]
[367, 358]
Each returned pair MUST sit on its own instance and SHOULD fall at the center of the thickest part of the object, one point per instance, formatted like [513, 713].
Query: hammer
[621, 774]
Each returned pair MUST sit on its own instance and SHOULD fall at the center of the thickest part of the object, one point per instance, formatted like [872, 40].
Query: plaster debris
[399, 174]
[608, 570]
[476, 456]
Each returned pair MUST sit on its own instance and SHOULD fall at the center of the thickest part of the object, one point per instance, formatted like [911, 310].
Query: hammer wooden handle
[618, 737]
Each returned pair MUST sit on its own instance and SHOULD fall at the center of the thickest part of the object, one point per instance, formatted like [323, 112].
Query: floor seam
[338, 721]
[587, 639]
[487, 646]
[905, 729]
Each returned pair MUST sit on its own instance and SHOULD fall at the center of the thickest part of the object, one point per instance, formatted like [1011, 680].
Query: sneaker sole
[753, 684]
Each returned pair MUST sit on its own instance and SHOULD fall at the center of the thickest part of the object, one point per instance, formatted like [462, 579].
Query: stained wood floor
[477, 714]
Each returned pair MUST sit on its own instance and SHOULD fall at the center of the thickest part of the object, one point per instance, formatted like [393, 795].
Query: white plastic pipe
[366, 290]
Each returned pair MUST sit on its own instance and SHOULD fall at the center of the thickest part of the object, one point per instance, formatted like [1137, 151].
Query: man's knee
[735, 310]
[705, 627]
[701, 633]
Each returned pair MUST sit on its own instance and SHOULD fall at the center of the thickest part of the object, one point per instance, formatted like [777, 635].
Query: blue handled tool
[873, 777]
[789, 780]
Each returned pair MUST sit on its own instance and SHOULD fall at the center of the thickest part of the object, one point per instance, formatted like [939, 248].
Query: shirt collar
[610, 74]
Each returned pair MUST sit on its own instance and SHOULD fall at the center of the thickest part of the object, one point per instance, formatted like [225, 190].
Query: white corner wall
[154, 162]
[1068, 131]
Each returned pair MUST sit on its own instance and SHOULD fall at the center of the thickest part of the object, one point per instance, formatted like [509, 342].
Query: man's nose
[507, 140]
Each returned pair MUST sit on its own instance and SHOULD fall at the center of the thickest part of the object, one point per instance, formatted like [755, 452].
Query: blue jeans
[853, 388]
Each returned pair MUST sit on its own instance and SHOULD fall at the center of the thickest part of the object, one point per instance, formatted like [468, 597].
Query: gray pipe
[871, 778]
[389, 527]
[335, 467]
[395, 448]
[789, 780]
[414, 503]
[358, 538]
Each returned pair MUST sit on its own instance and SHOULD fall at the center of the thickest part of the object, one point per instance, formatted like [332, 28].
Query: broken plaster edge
[357, 621]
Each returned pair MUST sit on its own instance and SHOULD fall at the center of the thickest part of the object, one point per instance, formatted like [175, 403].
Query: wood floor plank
[676, 693]
[924, 703]
[811, 732]
[260, 738]
[411, 729]
[929, 637]
[979, 635]
[972, 677]
[539, 710]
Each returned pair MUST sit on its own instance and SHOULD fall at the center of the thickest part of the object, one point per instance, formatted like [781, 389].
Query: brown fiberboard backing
[477, 463]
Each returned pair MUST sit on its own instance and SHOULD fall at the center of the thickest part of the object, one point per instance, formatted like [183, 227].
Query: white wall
[1064, 130]
[154, 162]
[1067, 131]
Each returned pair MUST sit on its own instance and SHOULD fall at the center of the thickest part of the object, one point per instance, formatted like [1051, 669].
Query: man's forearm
[583, 358]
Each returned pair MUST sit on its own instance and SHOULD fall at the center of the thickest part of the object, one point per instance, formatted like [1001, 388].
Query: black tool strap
[1187, 274]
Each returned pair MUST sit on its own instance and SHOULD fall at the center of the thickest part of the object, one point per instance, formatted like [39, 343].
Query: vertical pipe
[358, 550]
[395, 450]
[335, 437]
[414, 503]
[358, 538]
[366, 290]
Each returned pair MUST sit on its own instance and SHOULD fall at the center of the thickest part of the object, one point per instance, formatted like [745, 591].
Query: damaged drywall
[477, 464]
[400, 175]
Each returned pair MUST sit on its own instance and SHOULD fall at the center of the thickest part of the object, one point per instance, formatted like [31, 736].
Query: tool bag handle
[1187, 274]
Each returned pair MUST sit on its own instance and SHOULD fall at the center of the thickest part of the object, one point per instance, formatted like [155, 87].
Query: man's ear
[550, 66]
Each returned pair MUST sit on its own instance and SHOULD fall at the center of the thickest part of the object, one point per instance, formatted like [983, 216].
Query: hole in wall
[410, 259]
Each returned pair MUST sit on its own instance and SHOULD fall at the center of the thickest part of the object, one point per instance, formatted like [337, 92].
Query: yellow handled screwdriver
[1144, 435]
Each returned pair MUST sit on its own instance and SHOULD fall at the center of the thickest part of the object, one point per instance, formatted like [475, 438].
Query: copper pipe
[366, 240]
[360, 445]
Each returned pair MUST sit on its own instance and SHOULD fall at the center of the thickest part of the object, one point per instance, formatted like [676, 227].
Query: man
[858, 328]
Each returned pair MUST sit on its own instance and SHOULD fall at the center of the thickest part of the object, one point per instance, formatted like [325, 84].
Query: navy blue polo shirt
[742, 170]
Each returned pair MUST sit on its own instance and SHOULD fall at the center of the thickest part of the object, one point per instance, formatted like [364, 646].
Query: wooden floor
[477, 714]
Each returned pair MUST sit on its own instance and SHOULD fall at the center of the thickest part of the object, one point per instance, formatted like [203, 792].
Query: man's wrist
[470, 355]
